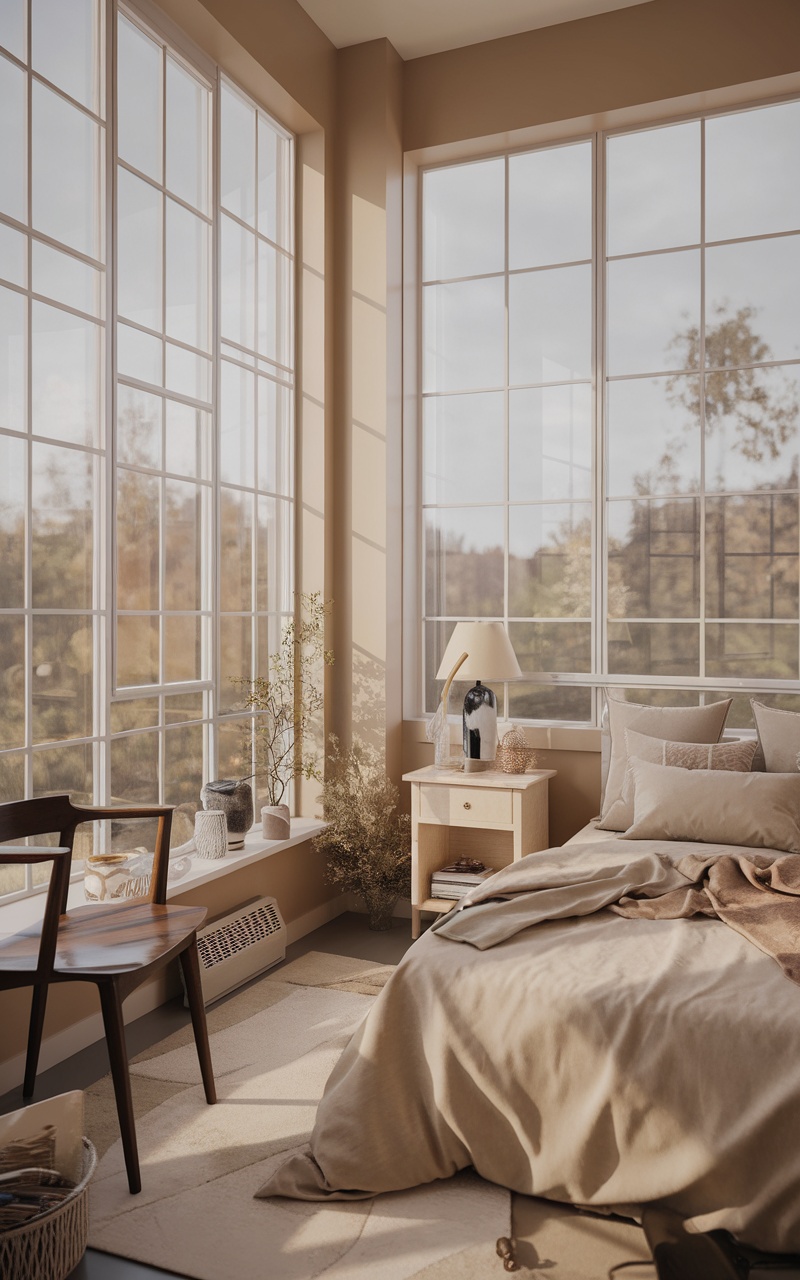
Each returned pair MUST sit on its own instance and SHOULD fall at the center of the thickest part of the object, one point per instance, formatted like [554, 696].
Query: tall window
[146, 408]
[610, 405]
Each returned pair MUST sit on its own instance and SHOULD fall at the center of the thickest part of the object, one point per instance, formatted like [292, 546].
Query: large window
[146, 408]
[610, 405]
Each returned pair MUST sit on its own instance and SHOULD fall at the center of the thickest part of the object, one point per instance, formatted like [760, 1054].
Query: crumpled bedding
[594, 1059]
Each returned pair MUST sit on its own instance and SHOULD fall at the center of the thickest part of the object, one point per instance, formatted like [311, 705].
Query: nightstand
[494, 816]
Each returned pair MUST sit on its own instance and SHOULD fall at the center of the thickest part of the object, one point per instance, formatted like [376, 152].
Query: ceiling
[419, 27]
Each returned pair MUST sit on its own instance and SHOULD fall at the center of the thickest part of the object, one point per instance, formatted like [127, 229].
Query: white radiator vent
[239, 947]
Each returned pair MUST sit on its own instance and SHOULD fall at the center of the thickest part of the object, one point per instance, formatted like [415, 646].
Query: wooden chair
[117, 946]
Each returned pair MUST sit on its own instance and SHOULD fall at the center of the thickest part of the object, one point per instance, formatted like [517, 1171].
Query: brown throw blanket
[757, 894]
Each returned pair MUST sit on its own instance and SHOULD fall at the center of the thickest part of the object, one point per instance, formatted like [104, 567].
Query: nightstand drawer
[465, 806]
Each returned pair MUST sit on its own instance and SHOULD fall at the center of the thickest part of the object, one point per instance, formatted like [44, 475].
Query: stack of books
[455, 880]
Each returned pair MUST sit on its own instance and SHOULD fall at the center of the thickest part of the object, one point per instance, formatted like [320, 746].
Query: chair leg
[36, 1025]
[194, 991]
[111, 1005]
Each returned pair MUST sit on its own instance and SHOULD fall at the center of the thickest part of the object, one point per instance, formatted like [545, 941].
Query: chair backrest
[21, 818]
[57, 891]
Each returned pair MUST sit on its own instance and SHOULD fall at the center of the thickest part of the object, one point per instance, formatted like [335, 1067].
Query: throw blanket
[758, 894]
[596, 1059]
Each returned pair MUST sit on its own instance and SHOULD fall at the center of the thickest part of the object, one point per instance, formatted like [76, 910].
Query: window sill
[28, 911]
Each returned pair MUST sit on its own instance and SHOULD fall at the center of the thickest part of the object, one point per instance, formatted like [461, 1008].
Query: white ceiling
[419, 27]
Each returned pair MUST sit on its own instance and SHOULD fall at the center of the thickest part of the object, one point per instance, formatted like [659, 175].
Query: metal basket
[515, 759]
[51, 1246]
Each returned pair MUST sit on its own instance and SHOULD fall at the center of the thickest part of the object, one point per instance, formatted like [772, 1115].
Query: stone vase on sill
[275, 823]
[235, 799]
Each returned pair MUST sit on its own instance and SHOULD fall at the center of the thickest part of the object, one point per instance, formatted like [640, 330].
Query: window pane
[12, 526]
[61, 528]
[463, 222]
[274, 555]
[237, 284]
[139, 79]
[138, 427]
[12, 657]
[67, 173]
[12, 27]
[139, 355]
[67, 384]
[182, 652]
[188, 104]
[552, 646]
[134, 713]
[653, 430]
[65, 46]
[463, 456]
[751, 302]
[654, 560]
[187, 440]
[753, 172]
[236, 551]
[62, 677]
[13, 256]
[549, 702]
[550, 206]
[752, 650]
[549, 562]
[752, 422]
[752, 556]
[274, 185]
[65, 279]
[550, 325]
[12, 360]
[188, 374]
[237, 155]
[138, 250]
[65, 769]
[463, 328]
[274, 304]
[236, 425]
[275, 437]
[13, 112]
[137, 541]
[653, 313]
[183, 764]
[187, 277]
[653, 188]
[235, 658]
[182, 563]
[464, 562]
[654, 648]
[550, 443]
[179, 707]
[135, 769]
[137, 650]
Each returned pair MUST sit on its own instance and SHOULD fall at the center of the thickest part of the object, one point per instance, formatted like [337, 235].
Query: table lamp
[489, 657]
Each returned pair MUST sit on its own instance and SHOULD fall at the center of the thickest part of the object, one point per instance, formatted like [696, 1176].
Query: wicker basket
[50, 1247]
[513, 755]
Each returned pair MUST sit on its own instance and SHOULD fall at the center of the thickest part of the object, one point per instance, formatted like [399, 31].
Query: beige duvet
[593, 1059]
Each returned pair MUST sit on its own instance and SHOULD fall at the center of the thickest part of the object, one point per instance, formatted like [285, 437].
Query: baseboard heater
[240, 946]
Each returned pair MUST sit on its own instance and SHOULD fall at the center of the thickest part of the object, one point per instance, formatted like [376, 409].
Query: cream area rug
[273, 1047]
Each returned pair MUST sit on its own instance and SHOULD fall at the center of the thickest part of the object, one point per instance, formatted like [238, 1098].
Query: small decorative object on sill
[275, 823]
[514, 755]
[210, 833]
[235, 798]
[108, 876]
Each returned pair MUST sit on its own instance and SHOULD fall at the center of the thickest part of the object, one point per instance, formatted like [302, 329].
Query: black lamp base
[480, 729]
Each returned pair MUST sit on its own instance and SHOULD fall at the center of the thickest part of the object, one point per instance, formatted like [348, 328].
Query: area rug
[273, 1047]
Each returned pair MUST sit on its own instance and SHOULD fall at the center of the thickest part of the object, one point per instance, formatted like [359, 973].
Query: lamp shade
[490, 655]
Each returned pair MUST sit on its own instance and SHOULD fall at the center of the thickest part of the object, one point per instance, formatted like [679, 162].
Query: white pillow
[677, 724]
[758, 810]
[778, 736]
[734, 756]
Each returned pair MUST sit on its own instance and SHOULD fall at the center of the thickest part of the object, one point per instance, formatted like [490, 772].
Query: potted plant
[366, 841]
[287, 702]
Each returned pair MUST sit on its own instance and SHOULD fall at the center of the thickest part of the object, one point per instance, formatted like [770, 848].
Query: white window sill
[27, 911]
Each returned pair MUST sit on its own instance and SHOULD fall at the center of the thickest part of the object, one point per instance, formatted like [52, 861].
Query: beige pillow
[759, 810]
[778, 736]
[676, 724]
[735, 757]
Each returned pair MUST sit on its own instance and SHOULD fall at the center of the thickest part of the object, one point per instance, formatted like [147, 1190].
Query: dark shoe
[680, 1255]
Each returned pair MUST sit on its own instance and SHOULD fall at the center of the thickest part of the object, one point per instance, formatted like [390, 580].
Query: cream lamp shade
[489, 653]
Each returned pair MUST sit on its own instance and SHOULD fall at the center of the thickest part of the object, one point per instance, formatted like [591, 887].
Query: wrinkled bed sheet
[597, 1060]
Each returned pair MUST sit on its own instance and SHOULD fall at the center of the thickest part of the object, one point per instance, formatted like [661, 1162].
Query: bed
[591, 1058]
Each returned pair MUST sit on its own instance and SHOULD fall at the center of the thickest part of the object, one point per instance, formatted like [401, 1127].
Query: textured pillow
[758, 810]
[677, 724]
[778, 736]
[736, 757]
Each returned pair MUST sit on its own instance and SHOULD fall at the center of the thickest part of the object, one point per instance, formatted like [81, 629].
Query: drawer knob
[467, 804]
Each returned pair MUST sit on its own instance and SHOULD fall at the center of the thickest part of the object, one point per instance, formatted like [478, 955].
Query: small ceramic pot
[235, 799]
[210, 833]
[275, 824]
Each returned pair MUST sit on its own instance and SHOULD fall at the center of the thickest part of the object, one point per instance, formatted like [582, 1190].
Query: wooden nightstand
[497, 817]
